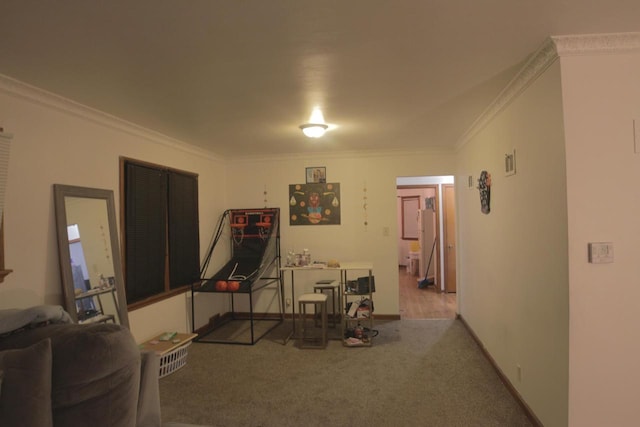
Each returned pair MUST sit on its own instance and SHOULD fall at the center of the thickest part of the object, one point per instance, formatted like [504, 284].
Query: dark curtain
[184, 241]
[145, 223]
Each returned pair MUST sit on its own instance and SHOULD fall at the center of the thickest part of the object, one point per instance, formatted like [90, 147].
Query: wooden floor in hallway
[425, 303]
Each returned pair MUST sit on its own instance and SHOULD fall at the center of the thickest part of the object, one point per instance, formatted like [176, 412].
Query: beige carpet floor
[417, 373]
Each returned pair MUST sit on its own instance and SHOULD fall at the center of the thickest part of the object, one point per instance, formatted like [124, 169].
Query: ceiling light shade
[314, 130]
[316, 126]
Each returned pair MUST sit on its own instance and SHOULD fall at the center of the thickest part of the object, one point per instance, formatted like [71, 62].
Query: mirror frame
[60, 193]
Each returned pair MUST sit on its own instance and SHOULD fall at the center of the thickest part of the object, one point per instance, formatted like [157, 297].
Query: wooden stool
[319, 301]
[322, 286]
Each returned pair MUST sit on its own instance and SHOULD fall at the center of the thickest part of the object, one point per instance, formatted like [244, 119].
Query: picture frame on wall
[316, 175]
[314, 204]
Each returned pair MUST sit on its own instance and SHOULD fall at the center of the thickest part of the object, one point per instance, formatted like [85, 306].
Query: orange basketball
[221, 285]
[233, 286]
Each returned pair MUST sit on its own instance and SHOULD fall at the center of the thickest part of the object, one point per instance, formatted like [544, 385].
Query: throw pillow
[25, 390]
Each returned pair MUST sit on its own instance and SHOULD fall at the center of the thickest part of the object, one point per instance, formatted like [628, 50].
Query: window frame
[410, 207]
[3, 271]
[5, 148]
[167, 291]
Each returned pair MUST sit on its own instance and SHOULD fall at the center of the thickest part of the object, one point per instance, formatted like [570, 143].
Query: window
[5, 146]
[3, 272]
[410, 208]
[161, 234]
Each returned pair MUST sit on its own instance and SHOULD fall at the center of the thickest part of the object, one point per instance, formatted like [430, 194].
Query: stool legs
[334, 313]
[320, 307]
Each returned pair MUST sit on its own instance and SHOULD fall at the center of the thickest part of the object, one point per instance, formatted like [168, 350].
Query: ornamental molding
[534, 66]
[552, 49]
[596, 44]
[47, 99]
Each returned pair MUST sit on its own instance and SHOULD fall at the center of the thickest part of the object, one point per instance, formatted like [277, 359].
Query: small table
[342, 270]
[172, 352]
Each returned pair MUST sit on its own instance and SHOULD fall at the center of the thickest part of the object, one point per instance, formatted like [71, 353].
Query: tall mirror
[92, 280]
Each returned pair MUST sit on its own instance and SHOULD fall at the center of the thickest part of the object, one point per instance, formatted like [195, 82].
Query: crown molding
[534, 66]
[596, 44]
[553, 48]
[42, 97]
[320, 156]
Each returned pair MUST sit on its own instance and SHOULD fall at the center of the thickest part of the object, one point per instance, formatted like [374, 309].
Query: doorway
[426, 278]
[449, 238]
[425, 303]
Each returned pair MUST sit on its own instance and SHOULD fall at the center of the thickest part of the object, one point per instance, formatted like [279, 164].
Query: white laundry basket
[174, 360]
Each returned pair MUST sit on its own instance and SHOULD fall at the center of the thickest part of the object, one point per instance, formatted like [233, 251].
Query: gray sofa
[55, 373]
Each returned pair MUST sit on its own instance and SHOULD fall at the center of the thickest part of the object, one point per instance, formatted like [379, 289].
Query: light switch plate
[510, 163]
[600, 252]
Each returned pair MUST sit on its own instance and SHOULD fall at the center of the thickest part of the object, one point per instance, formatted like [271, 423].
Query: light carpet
[417, 373]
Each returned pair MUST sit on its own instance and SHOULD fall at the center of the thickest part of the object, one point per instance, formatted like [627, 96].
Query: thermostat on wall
[600, 252]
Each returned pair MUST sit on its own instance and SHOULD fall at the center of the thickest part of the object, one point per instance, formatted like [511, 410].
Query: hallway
[426, 303]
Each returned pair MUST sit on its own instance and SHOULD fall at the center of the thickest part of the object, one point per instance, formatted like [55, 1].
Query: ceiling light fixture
[316, 127]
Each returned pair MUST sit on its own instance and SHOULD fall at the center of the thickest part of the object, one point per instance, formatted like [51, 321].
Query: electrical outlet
[385, 231]
[288, 301]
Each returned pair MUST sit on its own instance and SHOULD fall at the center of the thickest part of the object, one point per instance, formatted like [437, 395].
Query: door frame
[448, 280]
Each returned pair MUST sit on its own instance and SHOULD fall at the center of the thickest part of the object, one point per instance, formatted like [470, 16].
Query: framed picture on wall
[314, 204]
[316, 175]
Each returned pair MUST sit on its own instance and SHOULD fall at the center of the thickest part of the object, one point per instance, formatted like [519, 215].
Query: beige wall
[58, 142]
[519, 268]
[351, 240]
[513, 279]
[601, 99]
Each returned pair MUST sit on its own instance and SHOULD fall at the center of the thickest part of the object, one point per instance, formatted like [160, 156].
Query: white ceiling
[238, 77]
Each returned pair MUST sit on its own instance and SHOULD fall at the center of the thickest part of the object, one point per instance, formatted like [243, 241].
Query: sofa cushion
[25, 386]
[95, 372]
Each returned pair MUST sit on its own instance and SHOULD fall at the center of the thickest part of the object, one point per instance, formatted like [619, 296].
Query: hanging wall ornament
[364, 205]
[265, 196]
[484, 186]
